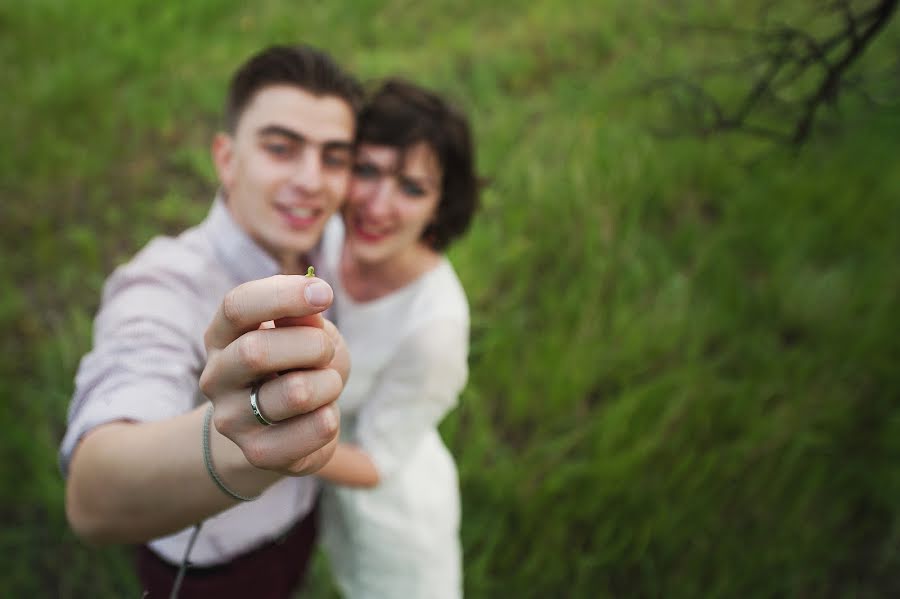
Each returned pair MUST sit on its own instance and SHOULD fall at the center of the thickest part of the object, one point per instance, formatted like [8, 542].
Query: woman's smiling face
[393, 196]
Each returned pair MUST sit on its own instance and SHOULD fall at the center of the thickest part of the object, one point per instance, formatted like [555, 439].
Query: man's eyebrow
[279, 130]
[332, 145]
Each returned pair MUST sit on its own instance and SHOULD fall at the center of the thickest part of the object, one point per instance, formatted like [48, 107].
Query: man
[186, 321]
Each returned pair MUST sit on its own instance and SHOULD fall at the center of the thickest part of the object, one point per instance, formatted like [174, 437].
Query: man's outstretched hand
[243, 347]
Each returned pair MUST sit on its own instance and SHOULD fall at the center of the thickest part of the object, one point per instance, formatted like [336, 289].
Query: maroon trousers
[274, 571]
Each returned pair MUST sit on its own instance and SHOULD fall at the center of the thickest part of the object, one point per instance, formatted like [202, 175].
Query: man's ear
[222, 155]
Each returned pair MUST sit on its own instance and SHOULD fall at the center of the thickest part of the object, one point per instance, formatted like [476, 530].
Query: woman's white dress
[409, 355]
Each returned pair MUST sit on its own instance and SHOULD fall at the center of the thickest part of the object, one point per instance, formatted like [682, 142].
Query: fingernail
[318, 294]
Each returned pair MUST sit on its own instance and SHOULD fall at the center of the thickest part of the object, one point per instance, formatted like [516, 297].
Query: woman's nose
[380, 201]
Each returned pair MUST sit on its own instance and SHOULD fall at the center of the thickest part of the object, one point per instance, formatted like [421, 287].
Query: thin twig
[176, 586]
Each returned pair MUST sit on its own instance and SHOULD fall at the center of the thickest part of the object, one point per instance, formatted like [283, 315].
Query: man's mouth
[299, 217]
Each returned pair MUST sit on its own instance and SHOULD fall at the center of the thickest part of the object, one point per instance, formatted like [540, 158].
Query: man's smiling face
[285, 168]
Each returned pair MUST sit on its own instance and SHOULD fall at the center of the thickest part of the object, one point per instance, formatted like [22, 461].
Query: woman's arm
[351, 467]
[413, 393]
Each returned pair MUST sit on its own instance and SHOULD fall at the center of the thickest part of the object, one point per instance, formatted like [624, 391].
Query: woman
[390, 517]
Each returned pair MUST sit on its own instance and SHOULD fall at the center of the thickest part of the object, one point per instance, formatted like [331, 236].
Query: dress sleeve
[419, 386]
[144, 365]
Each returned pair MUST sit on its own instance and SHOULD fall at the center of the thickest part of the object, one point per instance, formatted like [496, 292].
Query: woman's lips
[367, 235]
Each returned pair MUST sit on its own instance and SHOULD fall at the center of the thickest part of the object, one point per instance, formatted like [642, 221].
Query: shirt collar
[242, 257]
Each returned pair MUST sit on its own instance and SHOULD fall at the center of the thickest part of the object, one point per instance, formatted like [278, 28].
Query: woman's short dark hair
[303, 66]
[401, 114]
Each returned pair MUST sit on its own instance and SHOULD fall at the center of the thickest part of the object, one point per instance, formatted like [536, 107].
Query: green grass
[684, 375]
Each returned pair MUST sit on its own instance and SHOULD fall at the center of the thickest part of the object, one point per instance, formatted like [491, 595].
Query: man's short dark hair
[401, 114]
[303, 66]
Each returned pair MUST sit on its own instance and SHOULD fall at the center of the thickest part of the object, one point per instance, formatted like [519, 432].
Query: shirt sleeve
[419, 386]
[144, 365]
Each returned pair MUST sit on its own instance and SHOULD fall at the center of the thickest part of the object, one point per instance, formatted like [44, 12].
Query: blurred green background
[685, 365]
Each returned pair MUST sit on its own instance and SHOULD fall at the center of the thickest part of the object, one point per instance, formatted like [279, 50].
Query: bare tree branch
[830, 86]
[797, 72]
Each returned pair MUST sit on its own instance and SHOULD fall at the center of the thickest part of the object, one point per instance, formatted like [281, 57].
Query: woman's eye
[365, 171]
[411, 188]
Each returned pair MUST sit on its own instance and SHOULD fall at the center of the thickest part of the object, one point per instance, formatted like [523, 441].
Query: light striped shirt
[147, 358]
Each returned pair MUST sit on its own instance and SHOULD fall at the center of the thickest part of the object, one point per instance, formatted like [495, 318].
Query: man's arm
[131, 482]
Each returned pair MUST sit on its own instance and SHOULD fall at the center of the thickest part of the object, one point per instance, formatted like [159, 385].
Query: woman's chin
[365, 251]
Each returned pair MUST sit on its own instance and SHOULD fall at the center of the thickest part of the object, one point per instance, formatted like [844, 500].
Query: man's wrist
[233, 468]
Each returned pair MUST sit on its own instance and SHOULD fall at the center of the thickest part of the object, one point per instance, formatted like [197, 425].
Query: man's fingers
[290, 445]
[298, 392]
[341, 360]
[314, 461]
[281, 296]
[262, 352]
[313, 320]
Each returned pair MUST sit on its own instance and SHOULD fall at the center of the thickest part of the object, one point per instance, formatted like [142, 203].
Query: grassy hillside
[684, 370]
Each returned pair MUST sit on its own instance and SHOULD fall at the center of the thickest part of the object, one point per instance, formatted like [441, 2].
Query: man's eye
[279, 150]
[336, 160]
[365, 171]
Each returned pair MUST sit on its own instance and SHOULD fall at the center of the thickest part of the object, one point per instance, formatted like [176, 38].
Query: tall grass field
[685, 360]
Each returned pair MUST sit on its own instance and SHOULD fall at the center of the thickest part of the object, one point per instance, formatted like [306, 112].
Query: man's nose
[308, 174]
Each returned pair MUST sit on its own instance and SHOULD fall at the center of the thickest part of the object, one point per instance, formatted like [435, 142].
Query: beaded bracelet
[207, 459]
